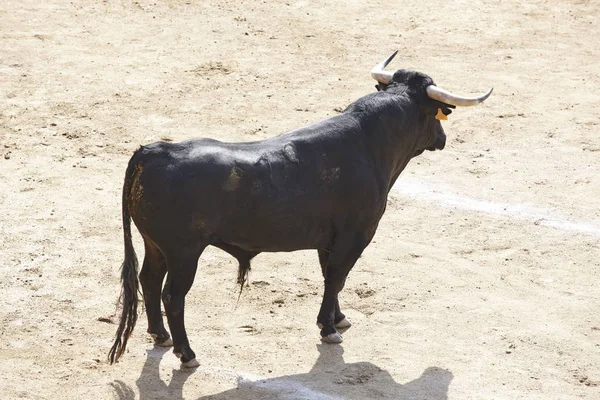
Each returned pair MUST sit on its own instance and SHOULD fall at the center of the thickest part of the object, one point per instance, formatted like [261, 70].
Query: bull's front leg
[326, 317]
[341, 322]
[339, 319]
[335, 265]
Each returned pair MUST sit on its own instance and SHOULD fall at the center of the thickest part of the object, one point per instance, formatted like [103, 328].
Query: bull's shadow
[150, 385]
[331, 378]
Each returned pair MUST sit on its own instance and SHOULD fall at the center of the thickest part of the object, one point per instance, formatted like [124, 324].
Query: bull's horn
[379, 74]
[444, 96]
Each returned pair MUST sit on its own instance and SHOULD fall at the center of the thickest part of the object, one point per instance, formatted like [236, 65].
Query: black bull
[322, 187]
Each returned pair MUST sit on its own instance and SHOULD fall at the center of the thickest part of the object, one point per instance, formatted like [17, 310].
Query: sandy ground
[481, 283]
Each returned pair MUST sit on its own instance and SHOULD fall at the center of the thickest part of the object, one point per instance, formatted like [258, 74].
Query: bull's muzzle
[439, 144]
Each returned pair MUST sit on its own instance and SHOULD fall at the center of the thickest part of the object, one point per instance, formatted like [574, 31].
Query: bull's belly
[274, 236]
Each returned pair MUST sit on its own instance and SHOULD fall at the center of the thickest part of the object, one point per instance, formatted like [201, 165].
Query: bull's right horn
[379, 74]
[444, 96]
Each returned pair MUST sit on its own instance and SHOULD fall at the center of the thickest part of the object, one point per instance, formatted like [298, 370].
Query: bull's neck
[392, 143]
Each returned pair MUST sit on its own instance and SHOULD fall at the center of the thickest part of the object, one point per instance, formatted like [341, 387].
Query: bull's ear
[381, 87]
[442, 113]
[437, 109]
[430, 108]
[446, 110]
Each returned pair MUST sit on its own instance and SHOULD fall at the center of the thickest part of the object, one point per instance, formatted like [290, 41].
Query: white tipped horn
[444, 96]
[379, 74]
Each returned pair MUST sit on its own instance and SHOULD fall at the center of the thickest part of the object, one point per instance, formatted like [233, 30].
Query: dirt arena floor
[481, 283]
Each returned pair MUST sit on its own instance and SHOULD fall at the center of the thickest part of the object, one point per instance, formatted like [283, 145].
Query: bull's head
[435, 103]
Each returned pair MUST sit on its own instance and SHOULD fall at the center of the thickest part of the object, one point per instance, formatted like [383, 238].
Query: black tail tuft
[129, 302]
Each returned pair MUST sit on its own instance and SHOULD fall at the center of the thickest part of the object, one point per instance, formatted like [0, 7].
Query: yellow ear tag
[440, 115]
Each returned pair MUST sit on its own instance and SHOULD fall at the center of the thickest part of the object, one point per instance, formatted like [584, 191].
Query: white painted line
[422, 191]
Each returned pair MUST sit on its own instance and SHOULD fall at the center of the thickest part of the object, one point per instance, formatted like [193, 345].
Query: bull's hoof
[333, 338]
[161, 341]
[190, 364]
[343, 324]
[165, 343]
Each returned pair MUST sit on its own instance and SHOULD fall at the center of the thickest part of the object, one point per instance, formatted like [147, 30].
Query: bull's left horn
[379, 74]
[444, 96]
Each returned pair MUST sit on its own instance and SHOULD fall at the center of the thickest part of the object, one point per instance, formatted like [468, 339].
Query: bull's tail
[129, 272]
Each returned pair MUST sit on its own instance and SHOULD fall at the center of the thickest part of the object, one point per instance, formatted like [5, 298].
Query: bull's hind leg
[341, 259]
[181, 267]
[151, 277]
